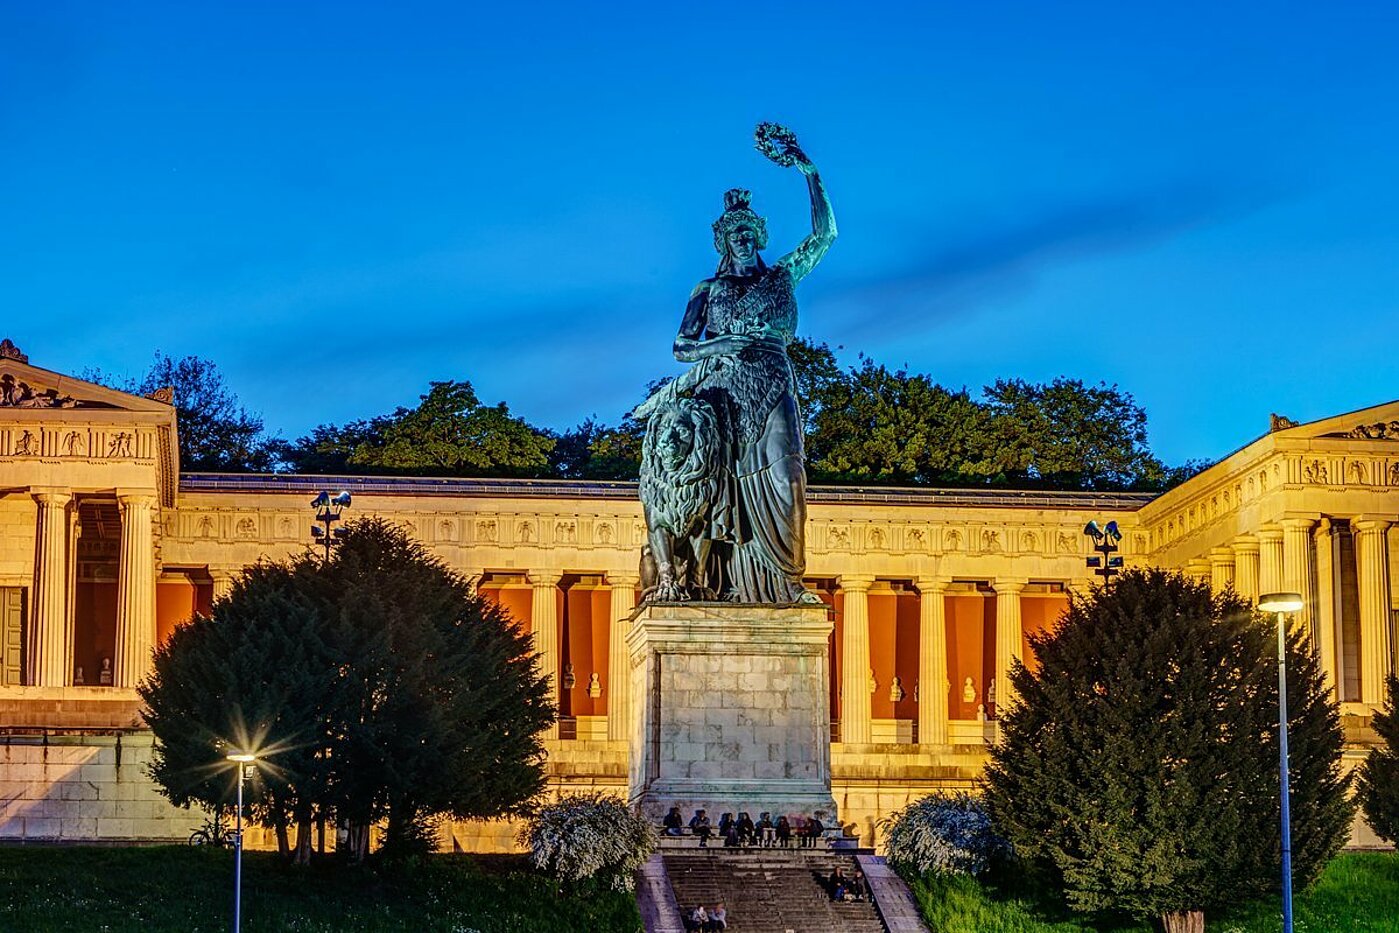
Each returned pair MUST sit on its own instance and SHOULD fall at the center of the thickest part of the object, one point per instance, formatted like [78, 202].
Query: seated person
[746, 830]
[725, 822]
[718, 919]
[858, 888]
[699, 825]
[783, 831]
[837, 886]
[766, 831]
[697, 921]
[731, 839]
[673, 823]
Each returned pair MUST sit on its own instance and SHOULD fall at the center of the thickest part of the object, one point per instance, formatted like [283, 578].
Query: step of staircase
[769, 890]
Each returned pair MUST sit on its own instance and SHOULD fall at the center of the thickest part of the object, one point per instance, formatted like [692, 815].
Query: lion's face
[674, 440]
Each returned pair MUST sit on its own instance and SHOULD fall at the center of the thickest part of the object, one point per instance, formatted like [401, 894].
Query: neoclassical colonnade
[1341, 567]
[50, 645]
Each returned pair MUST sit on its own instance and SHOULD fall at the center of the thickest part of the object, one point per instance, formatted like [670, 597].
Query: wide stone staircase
[769, 890]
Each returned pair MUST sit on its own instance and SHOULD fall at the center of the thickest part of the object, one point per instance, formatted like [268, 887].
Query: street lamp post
[242, 760]
[1282, 604]
[328, 509]
[1105, 543]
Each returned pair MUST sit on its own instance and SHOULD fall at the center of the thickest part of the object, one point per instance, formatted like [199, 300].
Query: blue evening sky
[338, 202]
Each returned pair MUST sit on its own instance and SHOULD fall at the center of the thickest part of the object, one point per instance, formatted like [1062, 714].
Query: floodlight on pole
[328, 509]
[242, 760]
[1105, 540]
[1282, 604]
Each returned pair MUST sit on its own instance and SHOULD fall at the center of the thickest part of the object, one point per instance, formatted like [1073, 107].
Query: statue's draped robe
[761, 509]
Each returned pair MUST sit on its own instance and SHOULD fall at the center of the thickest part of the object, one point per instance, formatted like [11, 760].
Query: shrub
[590, 836]
[948, 833]
[1378, 788]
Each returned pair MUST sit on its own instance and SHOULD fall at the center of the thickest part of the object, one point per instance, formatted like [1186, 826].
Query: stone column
[223, 583]
[618, 668]
[135, 590]
[932, 661]
[1198, 568]
[1221, 568]
[544, 623]
[1297, 568]
[1270, 561]
[855, 666]
[1372, 562]
[48, 649]
[1010, 638]
[1246, 567]
[1324, 626]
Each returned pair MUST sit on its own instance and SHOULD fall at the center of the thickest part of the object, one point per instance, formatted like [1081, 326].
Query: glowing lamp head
[341, 500]
[242, 758]
[1280, 602]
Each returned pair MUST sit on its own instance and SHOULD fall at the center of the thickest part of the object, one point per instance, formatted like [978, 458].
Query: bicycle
[212, 833]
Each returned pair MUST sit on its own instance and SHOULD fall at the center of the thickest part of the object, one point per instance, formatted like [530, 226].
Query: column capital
[1270, 533]
[623, 578]
[1222, 555]
[51, 495]
[126, 498]
[543, 578]
[1246, 544]
[1370, 523]
[1008, 586]
[855, 583]
[1303, 522]
[931, 585]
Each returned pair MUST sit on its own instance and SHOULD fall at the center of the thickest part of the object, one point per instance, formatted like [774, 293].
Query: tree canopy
[377, 686]
[1139, 768]
[865, 424]
[449, 433]
[217, 434]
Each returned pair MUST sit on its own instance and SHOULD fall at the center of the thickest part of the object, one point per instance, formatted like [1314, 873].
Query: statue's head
[739, 233]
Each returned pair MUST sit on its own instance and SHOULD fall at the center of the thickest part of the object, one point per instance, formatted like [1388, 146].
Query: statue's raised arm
[780, 145]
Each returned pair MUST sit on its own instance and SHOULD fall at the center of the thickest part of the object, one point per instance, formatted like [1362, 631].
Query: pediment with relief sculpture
[25, 387]
[1376, 423]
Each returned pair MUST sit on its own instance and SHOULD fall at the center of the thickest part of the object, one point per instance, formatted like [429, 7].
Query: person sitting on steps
[747, 832]
[859, 889]
[767, 833]
[725, 823]
[838, 886]
[699, 825]
[673, 822]
[783, 831]
[698, 921]
[718, 919]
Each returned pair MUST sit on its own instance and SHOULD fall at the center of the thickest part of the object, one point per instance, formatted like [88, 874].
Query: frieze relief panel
[67, 442]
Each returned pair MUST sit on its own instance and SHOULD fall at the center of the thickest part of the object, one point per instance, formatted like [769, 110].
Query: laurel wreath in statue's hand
[779, 144]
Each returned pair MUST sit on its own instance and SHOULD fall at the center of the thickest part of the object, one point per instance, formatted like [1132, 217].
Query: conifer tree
[1378, 785]
[1138, 769]
[377, 686]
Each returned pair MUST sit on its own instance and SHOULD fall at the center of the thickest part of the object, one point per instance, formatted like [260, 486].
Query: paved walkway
[897, 908]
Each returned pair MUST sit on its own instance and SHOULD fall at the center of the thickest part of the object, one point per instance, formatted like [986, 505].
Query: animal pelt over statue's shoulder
[680, 477]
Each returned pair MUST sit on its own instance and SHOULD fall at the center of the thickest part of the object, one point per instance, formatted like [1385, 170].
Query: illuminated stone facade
[105, 547]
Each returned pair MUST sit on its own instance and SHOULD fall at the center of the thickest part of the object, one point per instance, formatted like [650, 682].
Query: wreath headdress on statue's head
[737, 214]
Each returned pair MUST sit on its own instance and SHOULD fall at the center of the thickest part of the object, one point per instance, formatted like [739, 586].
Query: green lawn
[1358, 893]
[177, 888]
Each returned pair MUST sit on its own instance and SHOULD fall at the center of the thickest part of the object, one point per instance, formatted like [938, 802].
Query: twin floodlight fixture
[1105, 541]
[328, 509]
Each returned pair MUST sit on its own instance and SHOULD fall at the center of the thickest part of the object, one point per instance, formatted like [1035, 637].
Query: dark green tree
[217, 434]
[877, 425]
[449, 433]
[1138, 769]
[442, 700]
[378, 686]
[1068, 435]
[818, 376]
[1378, 784]
[253, 670]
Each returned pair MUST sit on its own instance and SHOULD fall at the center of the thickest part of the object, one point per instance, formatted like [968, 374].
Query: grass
[177, 888]
[1358, 893]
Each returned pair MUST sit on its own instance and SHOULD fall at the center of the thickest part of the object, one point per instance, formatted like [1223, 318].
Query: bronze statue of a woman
[723, 475]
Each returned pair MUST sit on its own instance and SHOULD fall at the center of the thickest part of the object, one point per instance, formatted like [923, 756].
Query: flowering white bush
[943, 833]
[590, 835]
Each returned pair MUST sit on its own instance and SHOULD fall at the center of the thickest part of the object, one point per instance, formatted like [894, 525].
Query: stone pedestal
[730, 710]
